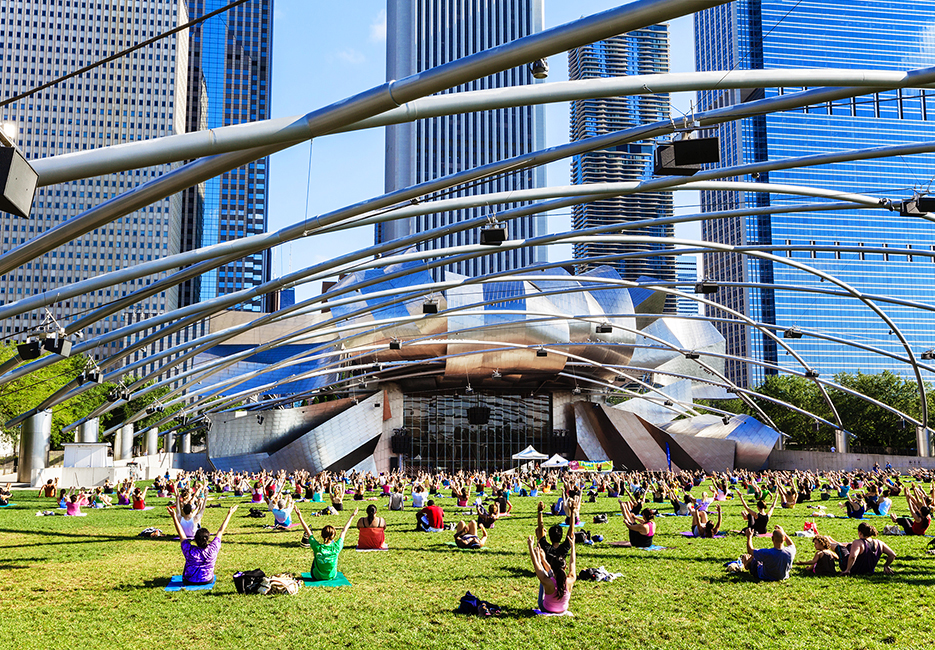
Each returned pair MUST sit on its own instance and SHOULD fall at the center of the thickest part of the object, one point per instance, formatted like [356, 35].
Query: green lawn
[91, 582]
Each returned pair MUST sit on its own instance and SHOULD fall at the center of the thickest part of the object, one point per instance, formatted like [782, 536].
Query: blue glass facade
[641, 52]
[229, 83]
[888, 35]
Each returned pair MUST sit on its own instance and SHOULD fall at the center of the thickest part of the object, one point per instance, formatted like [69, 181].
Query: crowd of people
[489, 497]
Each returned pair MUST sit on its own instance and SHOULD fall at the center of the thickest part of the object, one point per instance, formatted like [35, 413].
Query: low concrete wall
[823, 460]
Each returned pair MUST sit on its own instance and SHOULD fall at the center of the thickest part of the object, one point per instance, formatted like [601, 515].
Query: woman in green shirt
[325, 564]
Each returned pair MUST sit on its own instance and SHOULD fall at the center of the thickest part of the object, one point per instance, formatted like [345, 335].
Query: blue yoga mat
[176, 584]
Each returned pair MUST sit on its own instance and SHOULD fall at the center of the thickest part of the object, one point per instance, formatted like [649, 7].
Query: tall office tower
[422, 34]
[770, 34]
[645, 51]
[230, 74]
[686, 273]
[136, 97]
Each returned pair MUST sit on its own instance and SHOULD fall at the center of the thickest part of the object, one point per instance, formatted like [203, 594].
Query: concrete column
[152, 442]
[89, 431]
[169, 439]
[124, 451]
[34, 441]
[923, 442]
[841, 441]
[186, 445]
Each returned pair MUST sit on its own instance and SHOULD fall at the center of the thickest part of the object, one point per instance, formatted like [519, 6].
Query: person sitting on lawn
[190, 511]
[200, 555]
[397, 498]
[371, 530]
[487, 518]
[554, 545]
[139, 498]
[430, 518]
[325, 562]
[854, 505]
[48, 490]
[281, 508]
[757, 520]
[5, 495]
[921, 515]
[556, 576]
[770, 564]
[702, 525]
[641, 531]
[864, 553]
[470, 535]
[74, 502]
[825, 560]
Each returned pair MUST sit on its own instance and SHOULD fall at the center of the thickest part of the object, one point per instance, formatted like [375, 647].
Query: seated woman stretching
[702, 526]
[200, 555]
[855, 506]
[74, 503]
[371, 530]
[556, 576]
[681, 508]
[921, 515]
[757, 520]
[641, 531]
[487, 518]
[139, 498]
[189, 514]
[864, 553]
[470, 535]
[825, 560]
[325, 562]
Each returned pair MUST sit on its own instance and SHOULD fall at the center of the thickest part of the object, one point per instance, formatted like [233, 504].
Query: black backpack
[600, 519]
[471, 604]
[582, 537]
[257, 513]
[248, 582]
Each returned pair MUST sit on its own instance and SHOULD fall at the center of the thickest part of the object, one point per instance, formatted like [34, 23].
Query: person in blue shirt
[770, 564]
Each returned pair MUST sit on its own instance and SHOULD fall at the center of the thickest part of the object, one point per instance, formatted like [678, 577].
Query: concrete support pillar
[781, 443]
[841, 441]
[923, 442]
[34, 441]
[186, 443]
[89, 431]
[169, 439]
[152, 442]
[124, 450]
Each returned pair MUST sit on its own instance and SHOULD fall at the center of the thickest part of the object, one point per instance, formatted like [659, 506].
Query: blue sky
[326, 51]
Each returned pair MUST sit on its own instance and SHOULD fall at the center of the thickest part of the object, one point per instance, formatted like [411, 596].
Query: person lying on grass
[770, 564]
[470, 535]
[702, 526]
[641, 531]
[921, 515]
[556, 576]
[864, 553]
[325, 562]
[200, 555]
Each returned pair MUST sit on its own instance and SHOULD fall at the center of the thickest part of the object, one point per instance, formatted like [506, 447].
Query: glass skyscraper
[136, 97]
[422, 34]
[641, 52]
[770, 34]
[230, 71]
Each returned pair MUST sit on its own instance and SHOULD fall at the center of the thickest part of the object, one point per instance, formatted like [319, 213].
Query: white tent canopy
[555, 461]
[529, 453]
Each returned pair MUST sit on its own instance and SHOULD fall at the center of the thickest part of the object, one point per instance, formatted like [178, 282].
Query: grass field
[91, 582]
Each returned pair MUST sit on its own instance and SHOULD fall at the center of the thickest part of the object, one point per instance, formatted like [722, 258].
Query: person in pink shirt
[73, 504]
[556, 576]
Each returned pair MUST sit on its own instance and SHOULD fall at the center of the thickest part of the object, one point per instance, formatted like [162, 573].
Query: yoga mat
[654, 547]
[564, 525]
[281, 527]
[367, 550]
[8, 505]
[79, 514]
[141, 509]
[176, 584]
[338, 581]
[688, 533]
[455, 546]
[539, 612]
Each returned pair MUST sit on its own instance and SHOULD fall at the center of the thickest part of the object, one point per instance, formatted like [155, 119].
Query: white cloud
[378, 28]
[352, 56]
